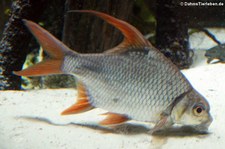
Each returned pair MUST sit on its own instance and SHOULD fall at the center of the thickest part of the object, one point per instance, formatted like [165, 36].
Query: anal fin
[113, 119]
[82, 105]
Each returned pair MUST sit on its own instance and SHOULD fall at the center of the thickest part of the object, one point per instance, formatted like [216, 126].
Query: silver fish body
[132, 80]
[137, 83]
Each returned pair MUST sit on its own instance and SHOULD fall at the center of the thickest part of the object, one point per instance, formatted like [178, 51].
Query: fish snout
[205, 125]
[210, 119]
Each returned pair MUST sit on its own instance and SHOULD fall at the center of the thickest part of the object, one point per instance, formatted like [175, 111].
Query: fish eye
[198, 109]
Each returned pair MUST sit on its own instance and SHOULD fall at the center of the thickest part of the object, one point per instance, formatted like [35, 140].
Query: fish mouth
[205, 125]
[208, 123]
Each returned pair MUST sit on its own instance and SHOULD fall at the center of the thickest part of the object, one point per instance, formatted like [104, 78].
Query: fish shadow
[126, 128]
[135, 129]
[182, 131]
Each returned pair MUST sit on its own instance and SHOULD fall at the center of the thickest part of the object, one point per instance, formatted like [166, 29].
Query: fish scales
[131, 84]
[132, 80]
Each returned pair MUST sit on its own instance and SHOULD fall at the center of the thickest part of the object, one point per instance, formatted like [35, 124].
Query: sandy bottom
[32, 120]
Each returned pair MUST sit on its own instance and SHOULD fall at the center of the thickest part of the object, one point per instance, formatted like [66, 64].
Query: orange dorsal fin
[83, 103]
[113, 119]
[133, 38]
[55, 48]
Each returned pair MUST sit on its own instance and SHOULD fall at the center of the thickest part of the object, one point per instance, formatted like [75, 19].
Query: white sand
[31, 119]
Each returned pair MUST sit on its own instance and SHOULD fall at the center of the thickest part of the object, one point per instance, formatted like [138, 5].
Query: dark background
[165, 21]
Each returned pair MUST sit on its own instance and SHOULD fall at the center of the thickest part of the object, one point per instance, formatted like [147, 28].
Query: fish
[132, 81]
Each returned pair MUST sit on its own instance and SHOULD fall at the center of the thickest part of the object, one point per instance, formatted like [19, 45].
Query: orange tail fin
[55, 48]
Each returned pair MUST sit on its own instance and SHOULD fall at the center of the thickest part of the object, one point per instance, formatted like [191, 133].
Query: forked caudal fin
[55, 48]
[57, 51]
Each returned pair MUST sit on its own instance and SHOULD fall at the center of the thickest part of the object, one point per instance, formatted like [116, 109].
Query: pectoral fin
[163, 123]
[114, 119]
[83, 103]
